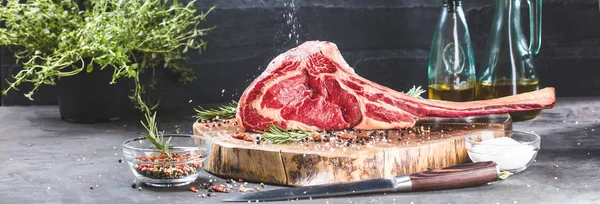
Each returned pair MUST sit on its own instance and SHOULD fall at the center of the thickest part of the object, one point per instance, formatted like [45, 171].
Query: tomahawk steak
[311, 87]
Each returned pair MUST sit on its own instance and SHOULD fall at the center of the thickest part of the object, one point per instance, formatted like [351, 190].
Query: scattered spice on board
[139, 188]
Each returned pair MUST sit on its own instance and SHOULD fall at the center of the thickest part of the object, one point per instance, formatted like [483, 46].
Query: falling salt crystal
[99, 175]
[412, 202]
[190, 101]
[80, 176]
[564, 121]
[59, 179]
[96, 185]
[555, 178]
[576, 122]
[48, 187]
[223, 91]
[11, 159]
[556, 165]
[557, 189]
[77, 159]
[83, 158]
[304, 155]
[585, 185]
[116, 153]
[578, 143]
[528, 186]
[592, 130]
[94, 152]
[515, 201]
[32, 180]
[114, 147]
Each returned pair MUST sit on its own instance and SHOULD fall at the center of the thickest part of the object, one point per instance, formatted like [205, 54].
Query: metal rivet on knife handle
[461, 176]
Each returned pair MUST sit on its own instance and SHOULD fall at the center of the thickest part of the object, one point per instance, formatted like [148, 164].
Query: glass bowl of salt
[512, 151]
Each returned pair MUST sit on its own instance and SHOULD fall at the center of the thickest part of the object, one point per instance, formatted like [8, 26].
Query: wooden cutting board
[312, 163]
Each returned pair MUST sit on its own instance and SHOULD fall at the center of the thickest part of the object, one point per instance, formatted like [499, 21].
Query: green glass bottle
[451, 64]
[508, 66]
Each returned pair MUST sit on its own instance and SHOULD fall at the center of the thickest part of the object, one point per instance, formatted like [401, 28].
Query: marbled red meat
[311, 87]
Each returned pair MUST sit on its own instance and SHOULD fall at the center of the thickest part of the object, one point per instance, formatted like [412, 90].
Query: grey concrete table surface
[46, 160]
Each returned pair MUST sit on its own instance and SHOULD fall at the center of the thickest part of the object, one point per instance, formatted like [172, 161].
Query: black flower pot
[89, 98]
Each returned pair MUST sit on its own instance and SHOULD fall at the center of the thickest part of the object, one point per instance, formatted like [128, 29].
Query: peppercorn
[133, 185]
[120, 160]
[92, 187]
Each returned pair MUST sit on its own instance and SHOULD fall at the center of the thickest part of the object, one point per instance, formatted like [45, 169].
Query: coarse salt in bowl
[512, 151]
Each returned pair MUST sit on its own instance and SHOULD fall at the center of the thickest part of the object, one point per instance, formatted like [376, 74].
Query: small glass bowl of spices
[512, 151]
[179, 166]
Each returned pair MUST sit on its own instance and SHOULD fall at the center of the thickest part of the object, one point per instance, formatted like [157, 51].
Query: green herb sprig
[504, 175]
[277, 135]
[225, 112]
[155, 136]
[415, 92]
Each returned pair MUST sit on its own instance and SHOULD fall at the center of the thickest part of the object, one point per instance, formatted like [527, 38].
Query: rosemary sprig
[154, 135]
[277, 135]
[224, 111]
[415, 92]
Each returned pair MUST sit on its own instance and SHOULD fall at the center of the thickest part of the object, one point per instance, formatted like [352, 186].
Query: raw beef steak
[311, 87]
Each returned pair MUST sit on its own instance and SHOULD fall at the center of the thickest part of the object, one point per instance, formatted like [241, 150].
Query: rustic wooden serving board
[312, 163]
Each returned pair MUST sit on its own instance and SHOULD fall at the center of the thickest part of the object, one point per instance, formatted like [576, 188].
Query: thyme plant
[62, 38]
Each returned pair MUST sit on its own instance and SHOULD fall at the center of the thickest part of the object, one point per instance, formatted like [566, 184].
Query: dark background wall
[385, 41]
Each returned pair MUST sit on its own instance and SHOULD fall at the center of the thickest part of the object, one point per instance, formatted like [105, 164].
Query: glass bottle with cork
[451, 64]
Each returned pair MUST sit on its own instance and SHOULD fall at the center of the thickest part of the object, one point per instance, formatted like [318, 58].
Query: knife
[460, 176]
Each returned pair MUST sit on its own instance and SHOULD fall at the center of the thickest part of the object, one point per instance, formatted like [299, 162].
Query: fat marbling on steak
[311, 87]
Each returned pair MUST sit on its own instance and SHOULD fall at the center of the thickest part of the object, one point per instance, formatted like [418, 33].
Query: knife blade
[460, 176]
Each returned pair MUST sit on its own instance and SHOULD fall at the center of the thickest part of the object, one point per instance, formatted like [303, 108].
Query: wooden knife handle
[460, 176]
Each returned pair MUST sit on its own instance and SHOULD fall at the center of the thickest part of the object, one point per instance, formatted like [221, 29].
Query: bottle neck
[452, 6]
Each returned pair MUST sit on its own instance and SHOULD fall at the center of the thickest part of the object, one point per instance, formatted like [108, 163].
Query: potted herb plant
[82, 46]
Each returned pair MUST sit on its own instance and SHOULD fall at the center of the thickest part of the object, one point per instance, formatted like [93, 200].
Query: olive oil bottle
[508, 64]
[451, 70]
[508, 88]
